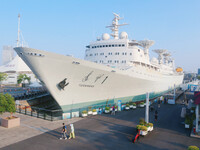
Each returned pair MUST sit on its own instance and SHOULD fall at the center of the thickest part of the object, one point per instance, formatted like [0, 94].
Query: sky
[66, 26]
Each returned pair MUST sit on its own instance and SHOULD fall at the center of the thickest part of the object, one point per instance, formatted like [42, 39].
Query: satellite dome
[154, 60]
[105, 36]
[123, 35]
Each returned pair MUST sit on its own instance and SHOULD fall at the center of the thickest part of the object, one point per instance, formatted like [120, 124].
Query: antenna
[160, 53]
[115, 25]
[146, 44]
[18, 34]
[166, 55]
[20, 39]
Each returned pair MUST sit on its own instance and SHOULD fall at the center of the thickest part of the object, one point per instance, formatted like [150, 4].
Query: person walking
[72, 134]
[64, 131]
[113, 110]
[156, 115]
[159, 101]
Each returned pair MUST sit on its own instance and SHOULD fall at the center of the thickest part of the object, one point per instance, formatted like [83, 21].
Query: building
[14, 68]
[7, 54]
[199, 71]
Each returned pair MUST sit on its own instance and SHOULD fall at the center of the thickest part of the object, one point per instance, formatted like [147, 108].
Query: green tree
[3, 103]
[198, 77]
[21, 78]
[3, 76]
[10, 104]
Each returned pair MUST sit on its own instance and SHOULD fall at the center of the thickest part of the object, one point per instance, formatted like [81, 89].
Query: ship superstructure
[113, 69]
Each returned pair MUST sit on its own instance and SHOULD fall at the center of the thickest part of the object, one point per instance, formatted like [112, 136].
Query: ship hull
[86, 83]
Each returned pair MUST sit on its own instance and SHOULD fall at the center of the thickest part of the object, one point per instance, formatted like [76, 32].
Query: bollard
[25, 110]
[44, 116]
[51, 116]
[19, 108]
[37, 114]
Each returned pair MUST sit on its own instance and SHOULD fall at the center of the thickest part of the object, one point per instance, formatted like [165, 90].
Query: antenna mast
[115, 25]
[18, 34]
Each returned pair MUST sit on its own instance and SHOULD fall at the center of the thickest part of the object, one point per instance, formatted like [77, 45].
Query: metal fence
[42, 113]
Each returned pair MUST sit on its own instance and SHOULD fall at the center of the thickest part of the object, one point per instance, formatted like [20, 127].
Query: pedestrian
[100, 112]
[113, 110]
[165, 100]
[151, 107]
[64, 131]
[159, 103]
[72, 134]
[156, 115]
[136, 137]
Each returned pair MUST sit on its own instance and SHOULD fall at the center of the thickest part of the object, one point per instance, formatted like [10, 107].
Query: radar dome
[123, 35]
[105, 36]
[154, 60]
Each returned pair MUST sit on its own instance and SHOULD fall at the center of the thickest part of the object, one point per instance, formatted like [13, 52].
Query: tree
[3, 76]
[3, 103]
[10, 104]
[7, 104]
[21, 78]
[198, 77]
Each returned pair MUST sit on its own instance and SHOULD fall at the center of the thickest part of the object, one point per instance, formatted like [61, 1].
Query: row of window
[101, 46]
[110, 61]
[35, 54]
[117, 53]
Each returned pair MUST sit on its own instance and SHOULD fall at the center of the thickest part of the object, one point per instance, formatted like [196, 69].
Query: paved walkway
[115, 132]
[30, 127]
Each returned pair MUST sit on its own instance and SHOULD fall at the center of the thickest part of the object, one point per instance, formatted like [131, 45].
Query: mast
[18, 34]
[115, 25]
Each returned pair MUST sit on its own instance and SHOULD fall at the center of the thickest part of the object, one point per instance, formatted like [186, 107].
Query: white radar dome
[154, 60]
[105, 36]
[123, 35]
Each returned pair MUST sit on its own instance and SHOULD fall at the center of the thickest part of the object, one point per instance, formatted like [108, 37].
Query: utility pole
[147, 108]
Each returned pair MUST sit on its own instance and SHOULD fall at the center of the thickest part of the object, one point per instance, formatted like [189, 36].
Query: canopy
[16, 65]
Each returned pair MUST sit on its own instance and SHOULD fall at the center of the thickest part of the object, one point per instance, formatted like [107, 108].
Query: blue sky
[66, 26]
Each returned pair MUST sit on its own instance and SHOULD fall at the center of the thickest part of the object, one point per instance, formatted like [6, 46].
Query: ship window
[106, 45]
[113, 45]
[86, 55]
[124, 53]
[130, 53]
[88, 46]
[90, 54]
[97, 46]
[120, 45]
[116, 61]
[123, 45]
[101, 53]
[109, 45]
[94, 46]
[31, 53]
[100, 45]
[35, 54]
[138, 50]
[103, 45]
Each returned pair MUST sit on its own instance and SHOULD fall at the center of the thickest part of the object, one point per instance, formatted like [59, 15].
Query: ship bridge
[121, 52]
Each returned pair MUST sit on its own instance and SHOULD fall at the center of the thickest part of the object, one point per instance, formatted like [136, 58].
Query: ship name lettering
[99, 77]
[84, 85]
[87, 77]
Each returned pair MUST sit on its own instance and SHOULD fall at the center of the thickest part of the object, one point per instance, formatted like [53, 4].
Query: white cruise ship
[114, 69]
